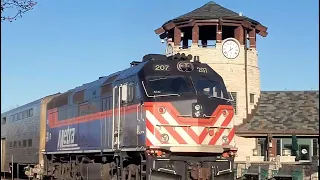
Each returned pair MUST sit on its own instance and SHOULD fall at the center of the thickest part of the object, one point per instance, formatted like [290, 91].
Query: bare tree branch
[13, 9]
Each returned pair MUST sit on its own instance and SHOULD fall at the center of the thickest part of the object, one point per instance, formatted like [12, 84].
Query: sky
[63, 44]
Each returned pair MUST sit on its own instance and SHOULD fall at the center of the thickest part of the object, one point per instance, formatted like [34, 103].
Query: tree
[13, 9]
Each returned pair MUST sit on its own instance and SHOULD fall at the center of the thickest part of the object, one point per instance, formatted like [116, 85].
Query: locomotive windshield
[170, 85]
[178, 85]
[210, 88]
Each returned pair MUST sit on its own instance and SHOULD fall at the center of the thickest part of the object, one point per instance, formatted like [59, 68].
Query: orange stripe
[190, 121]
[150, 126]
[153, 130]
[53, 123]
[217, 135]
[205, 132]
[173, 133]
[148, 142]
[231, 135]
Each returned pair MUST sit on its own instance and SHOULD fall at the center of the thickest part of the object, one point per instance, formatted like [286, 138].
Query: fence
[275, 170]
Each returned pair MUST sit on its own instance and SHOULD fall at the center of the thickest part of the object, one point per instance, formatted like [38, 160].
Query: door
[117, 116]
[3, 153]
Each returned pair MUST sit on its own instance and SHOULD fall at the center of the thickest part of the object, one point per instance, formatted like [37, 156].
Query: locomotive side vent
[181, 57]
[134, 63]
[154, 57]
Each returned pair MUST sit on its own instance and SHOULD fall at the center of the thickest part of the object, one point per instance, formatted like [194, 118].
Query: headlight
[197, 113]
[196, 110]
[164, 138]
[185, 66]
[225, 139]
[197, 107]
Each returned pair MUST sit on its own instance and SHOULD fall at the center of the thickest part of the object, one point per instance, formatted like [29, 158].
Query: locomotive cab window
[210, 88]
[169, 85]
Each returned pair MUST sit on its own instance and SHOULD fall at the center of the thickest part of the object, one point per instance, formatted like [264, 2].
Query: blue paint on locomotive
[93, 135]
[84, 136]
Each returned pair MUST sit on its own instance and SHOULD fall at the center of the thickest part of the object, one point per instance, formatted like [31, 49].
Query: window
[234, 102]
[251, 98]
[289, 147]
[169, 85]
[4, 120]
[29, 142]
[15, 117]
[24, 143]
[19, 143]
[278, 147]
[211, 88]
[25, 114]
[10, 144]
[20, 116]
[130, 92]
[30, 112]
[14, 143]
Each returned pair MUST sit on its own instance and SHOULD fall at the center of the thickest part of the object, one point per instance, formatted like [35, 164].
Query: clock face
[230, 49]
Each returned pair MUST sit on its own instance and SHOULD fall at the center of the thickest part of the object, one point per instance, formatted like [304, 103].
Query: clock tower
[226, 41]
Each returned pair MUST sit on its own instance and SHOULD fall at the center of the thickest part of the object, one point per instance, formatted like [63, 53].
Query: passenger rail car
[162, 118]
[23, 136]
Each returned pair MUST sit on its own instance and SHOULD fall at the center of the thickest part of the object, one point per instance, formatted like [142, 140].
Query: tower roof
[214, 13]
[212, 10]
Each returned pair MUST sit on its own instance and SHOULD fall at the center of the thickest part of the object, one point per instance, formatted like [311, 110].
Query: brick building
[265, 120]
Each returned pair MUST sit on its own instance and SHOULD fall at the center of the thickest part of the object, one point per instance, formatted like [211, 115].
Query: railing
[275, 169]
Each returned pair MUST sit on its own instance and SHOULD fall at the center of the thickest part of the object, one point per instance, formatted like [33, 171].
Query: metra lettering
[66, 138]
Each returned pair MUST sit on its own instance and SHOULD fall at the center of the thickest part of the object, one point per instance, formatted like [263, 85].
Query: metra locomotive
[162, 118]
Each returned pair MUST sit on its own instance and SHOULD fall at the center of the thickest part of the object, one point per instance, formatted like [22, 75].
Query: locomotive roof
[100, 82]
[120, 75]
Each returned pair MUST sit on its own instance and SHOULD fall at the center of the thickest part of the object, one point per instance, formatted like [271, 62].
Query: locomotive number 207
[202, 70]
[161, 67]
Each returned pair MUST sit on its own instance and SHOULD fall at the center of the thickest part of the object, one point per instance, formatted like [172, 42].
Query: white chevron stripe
[152, 138]
[217, 124]
[162, 130]
[180, 130]
[197, 129]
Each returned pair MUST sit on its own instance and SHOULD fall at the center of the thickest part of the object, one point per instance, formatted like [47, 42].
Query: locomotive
[162, 118]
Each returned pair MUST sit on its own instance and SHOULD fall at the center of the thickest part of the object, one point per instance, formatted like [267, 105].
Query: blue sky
[63, 44]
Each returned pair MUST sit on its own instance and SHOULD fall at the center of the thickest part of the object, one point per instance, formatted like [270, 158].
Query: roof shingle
[212, 10]
[283, 112]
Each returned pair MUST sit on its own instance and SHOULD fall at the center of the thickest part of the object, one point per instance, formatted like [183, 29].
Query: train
[161, 118]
